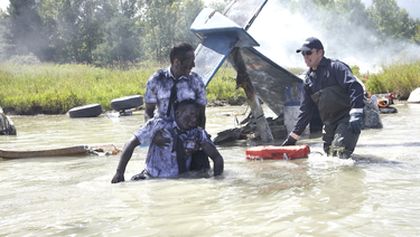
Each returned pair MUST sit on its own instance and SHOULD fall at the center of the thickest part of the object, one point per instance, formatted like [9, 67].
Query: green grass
[54, 89]
[223, 87]
[400, 79]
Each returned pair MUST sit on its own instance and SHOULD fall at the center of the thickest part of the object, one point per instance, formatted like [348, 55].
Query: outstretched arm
[213, 153]
[125, 157]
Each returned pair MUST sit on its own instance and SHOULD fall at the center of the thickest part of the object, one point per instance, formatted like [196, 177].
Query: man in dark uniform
[331, 88]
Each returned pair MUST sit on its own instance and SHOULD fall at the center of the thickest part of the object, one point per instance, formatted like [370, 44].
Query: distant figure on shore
[331, 87]
[172, 144]
[6, 125]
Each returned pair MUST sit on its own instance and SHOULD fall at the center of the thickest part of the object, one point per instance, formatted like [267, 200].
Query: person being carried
[172, 144]
[331, 88]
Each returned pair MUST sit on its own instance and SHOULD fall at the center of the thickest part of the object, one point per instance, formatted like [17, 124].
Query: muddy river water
[376, 195]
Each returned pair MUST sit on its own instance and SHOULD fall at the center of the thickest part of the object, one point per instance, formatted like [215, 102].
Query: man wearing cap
[331, 87]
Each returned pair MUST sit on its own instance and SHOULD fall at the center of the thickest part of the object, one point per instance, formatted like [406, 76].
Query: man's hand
[118, 177]
[289, 141]
[160, 140]
[356, 122]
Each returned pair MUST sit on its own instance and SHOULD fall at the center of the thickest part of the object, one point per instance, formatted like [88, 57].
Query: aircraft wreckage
[224, 36]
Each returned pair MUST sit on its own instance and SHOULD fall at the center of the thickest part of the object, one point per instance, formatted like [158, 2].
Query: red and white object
[277, 152]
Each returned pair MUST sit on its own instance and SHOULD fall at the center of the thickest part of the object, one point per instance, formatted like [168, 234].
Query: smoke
[2, 39]
[280, 32]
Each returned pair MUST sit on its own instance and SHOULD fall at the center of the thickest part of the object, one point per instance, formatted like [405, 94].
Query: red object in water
[277, 152]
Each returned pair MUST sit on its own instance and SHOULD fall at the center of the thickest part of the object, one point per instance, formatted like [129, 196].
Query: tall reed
[54, 89]
[400, 79]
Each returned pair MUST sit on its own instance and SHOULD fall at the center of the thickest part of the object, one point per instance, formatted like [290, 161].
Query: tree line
[125, 32]
[384, 17]
[100, 32]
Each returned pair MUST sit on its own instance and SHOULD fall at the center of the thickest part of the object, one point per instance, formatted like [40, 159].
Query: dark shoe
[142, 176]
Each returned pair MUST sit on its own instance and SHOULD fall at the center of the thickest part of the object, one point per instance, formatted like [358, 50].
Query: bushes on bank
[400, 79]
[54, 89]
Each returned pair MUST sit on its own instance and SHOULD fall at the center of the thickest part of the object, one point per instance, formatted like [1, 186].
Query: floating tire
[127, 102]
[91, 110]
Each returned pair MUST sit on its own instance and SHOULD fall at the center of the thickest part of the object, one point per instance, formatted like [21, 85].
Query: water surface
[376, 195]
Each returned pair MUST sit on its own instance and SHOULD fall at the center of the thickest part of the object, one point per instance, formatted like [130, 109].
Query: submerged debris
[247, 130]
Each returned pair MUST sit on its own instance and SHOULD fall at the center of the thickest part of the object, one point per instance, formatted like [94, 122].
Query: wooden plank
[77, 150]
[66, 151]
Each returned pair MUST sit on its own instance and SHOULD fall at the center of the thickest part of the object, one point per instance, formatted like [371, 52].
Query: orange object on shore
[383, 103]
[277, 152]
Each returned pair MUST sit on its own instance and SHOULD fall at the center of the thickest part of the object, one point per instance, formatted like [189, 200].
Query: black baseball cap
[310, 43]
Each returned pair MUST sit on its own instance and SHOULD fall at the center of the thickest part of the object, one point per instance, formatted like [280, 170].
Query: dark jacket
[331, 88]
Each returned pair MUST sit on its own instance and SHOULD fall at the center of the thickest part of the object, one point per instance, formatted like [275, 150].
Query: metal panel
[213, 50]
[274, 85]
[210, 23]
[210, 57]
[243, 12]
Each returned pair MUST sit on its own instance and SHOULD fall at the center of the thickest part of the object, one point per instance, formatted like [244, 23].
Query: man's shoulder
[160, 74]
[159, 122]
[331, 63]
[201, 132]
[338, 64]
[200, 129]
[196, 78]
[195, 75]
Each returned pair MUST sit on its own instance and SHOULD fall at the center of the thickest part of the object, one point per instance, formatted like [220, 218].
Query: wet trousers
[339, 139]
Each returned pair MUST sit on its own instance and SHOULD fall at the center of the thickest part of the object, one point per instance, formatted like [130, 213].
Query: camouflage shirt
[158, 90]
[161, 161]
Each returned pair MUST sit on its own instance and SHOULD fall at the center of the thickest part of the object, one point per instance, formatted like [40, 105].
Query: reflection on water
[376, 194]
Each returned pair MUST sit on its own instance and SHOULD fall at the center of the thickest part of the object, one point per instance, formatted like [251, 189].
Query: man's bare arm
[125, 157]
[213, 153]
[202, 117]
[149, 110]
